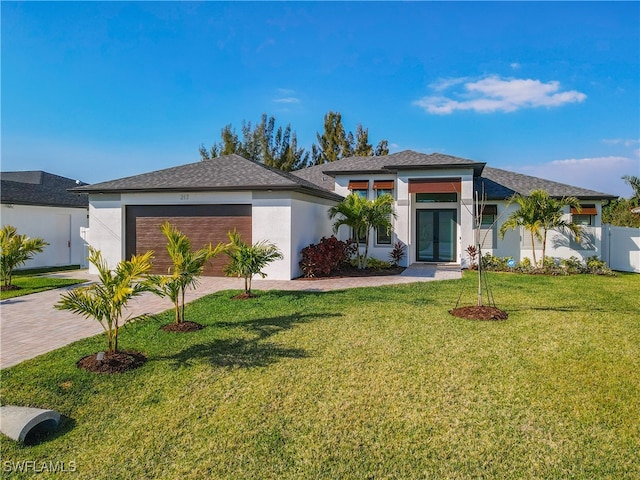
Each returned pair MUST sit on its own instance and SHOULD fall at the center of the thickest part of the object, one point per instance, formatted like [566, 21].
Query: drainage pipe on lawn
[24, 423]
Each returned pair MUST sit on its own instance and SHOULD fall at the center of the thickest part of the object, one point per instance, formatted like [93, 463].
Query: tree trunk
[366, 248]
[182, 306]
[533, 249]
[544, 246]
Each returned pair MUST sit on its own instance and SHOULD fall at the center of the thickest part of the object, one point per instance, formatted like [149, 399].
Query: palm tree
[350, 212]
[540, 212]
[249, 260]
[634, 183]
[16, 250]
[187, 267]
[104, 301]
[377, 214]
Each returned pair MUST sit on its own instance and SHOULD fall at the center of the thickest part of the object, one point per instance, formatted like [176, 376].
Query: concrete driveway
[31, 326]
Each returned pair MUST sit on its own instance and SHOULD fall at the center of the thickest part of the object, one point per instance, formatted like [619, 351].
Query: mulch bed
[479, 313]
[243, 296]
[7, 288]
[118, 362]
[182, 327]
[355, 272]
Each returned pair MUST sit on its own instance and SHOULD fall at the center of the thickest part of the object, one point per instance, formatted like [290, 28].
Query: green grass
[30, 285]
[35, 271]
[363, 383]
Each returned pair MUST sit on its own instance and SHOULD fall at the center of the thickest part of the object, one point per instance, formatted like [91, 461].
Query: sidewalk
[31, 326]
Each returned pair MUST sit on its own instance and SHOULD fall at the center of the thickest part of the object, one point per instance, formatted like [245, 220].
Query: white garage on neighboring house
[434, 201]
[206, 200]
[39, 204]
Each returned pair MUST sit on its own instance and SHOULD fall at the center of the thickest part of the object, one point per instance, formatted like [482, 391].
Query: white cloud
[286, 95]
[495, 94]
[621, 141]
[287, 100]
[602, 174]
[515, 65]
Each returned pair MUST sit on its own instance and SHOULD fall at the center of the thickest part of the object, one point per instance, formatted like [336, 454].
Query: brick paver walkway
[30, 326]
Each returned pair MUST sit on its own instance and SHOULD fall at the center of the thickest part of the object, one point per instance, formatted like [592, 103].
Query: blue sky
[97, 91]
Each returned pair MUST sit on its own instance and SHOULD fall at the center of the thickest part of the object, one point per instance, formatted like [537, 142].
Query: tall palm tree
[377, 214]
[15, 250]
[540, 212]
[362, 216]
[350, 212]
[185, 271]
[105, 301]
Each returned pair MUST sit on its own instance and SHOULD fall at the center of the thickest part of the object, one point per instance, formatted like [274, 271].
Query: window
[487, 230]
[383, 236]
[585, 217]
[582, 220]
[359, 187]
[487, 219]
[436, 197]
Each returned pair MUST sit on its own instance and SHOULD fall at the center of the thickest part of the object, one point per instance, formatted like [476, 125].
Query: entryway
[436, 235]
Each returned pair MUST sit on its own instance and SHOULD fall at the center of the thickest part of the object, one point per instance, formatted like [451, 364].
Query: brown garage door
[203, 224]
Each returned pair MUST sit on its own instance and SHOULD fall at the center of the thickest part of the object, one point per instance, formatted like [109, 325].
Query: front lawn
[364, 383]
[36, 284]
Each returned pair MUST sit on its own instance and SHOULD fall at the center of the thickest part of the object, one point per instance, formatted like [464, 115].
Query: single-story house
[434, 202]
[39, 204]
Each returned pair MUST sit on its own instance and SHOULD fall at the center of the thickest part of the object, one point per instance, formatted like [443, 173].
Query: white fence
[621, 248]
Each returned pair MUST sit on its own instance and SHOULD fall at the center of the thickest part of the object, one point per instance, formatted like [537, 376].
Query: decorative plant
[105, 301]
[249, 260]
[328, 255]
[187, 267]
[16, 250]
[472, 251]
[538, 213]
[398, 253]
[362, 216]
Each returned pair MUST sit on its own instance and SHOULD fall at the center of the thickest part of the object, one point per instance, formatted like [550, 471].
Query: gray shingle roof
[40, 188]
[226, 173]
[322, 175]
[498, 184]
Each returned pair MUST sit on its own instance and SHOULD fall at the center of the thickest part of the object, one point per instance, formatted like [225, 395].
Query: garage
[203, 224]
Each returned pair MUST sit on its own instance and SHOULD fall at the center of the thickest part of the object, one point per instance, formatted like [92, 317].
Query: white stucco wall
[59, 226]
[309, 223]
[271, 221]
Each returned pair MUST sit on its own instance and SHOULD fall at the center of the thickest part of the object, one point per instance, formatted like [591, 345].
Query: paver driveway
[31, 326]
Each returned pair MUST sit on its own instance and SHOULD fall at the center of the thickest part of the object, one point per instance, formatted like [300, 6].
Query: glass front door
[436, 235]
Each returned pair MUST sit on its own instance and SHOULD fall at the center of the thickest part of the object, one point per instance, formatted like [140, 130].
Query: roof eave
[247, 188]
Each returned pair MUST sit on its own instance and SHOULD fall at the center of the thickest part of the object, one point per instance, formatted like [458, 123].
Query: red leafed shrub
[319, 260]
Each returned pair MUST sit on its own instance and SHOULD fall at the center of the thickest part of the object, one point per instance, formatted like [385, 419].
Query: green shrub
[377, 264]
[493, 263]
[598, 267]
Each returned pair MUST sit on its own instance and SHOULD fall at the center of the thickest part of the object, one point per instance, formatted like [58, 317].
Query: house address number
[184, 196]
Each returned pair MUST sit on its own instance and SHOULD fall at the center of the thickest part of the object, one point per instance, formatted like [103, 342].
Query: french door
[436, 235]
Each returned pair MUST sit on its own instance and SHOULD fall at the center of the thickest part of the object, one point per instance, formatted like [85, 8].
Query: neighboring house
[39, 204]
[434, 201]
